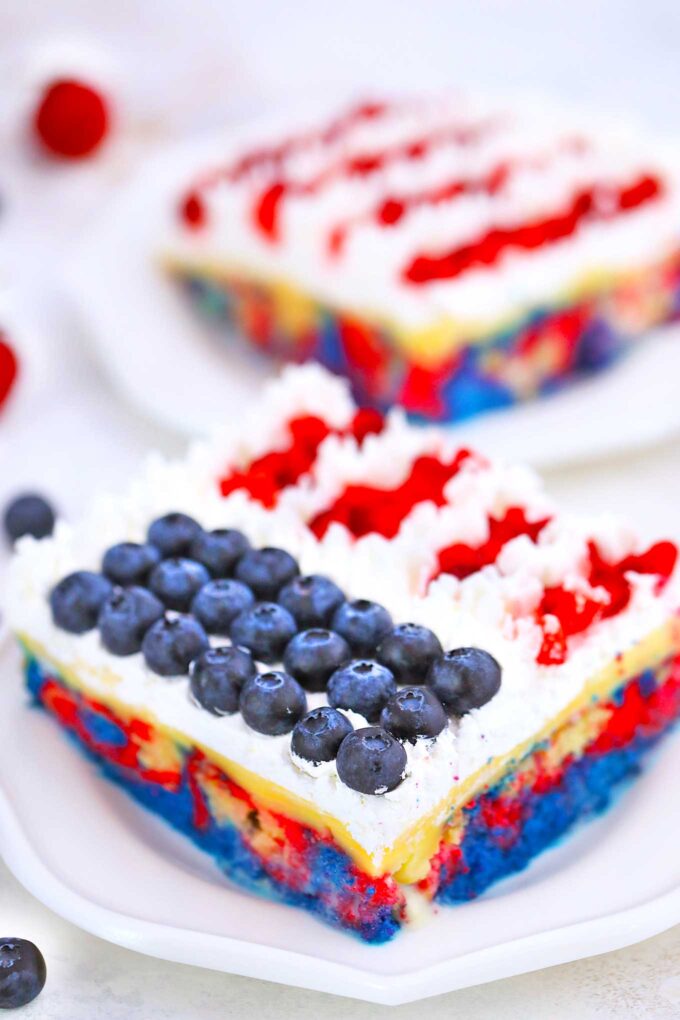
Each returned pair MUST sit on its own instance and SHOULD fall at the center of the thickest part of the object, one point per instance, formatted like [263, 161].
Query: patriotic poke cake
[448, 254]
[361, 667]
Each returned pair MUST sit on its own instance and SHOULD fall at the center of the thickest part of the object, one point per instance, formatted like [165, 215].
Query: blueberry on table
[314, 655]
[371, 760]
[217, 676]
[363, 624]
[219, 550]
[312, 600]
[125, 618]
[130, 562]
[219, 602]
[408, 651]
[272, 703]
[318, 735]
[265, 629]
[172, 643]
[464, 678]
[266, 571]
[176, 581]
[29, 514]
[413, 712]
[22, 972]
[362, 686]
[173, 533]
[77, 600]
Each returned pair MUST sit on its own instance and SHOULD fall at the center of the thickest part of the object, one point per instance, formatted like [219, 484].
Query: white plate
[91, 854]
[188, 374]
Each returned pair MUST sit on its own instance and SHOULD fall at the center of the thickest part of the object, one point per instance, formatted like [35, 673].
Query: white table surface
[74, 435]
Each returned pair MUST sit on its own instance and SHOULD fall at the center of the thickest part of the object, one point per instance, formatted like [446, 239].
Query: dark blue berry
[266, 571]
[130, 562]
[22, 972]
[319, 734]
[29, 515]
[265, 628]
[363, 625]
[217, 676]
[413, 712]
[464, 678]
[363, 686]
[408, 651]
[312, 600]
[219, 602]
[125, 618]
[77, 600]
[172, 643]
[272, 702]
[314, 655]
[371, 760]
[176, 581]
[219, 550]
[173, 533]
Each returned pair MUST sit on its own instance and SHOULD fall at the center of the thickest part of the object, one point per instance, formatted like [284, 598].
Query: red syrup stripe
[564, 613]
[392, 209]
[462, 560]
[268, 475]
[593, 204]
[364, 510]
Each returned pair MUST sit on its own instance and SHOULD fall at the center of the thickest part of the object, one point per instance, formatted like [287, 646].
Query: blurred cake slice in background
[449, 254]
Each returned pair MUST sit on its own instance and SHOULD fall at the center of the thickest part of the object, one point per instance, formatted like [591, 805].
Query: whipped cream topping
[491, 609]
[422, 177]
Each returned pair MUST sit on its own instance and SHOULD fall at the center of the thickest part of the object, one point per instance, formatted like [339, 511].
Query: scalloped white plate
[188, 374]
[87, 851]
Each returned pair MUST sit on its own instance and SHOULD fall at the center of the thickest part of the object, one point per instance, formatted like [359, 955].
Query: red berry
[8, 369]
[72, 119]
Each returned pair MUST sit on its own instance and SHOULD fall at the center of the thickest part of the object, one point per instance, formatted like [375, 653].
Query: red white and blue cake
[363, 668]
[451, 254]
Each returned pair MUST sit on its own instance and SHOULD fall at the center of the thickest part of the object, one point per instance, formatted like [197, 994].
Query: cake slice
[362, 668]
[449, 254]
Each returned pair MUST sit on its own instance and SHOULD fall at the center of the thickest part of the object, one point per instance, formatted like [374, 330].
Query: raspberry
[72, 119]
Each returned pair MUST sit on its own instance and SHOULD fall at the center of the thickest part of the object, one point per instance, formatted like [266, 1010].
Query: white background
[176, 67]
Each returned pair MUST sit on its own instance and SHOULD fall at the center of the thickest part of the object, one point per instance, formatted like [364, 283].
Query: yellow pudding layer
[638, 296]
[409, 857]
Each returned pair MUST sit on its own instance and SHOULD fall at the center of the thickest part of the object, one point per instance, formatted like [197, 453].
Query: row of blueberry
[165, 596]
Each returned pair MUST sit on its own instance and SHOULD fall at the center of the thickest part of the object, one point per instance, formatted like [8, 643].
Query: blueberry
[29, 514]
[363, 625]
[219, 602]
[172, 643]
[266, 571]
[363, 686]
[173, 533]
[176, 581]
[130, 562]
[219, 550]
[464, 678]
[319, 734]
[409, 650]
[22, 972]
[413, 712]
[217, 676]
[125, 618]
[77, 600]
[272, 702]
[312, 600]
[265, 628]
[314, 655]
[371, 760]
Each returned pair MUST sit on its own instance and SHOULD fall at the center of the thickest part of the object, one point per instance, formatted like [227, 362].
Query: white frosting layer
[491, 609]
[552, 153]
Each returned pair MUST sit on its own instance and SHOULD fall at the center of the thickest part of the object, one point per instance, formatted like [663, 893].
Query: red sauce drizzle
[266, 476]
[461, 560]
[364, 509]
[573, 613]
[590, 204]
